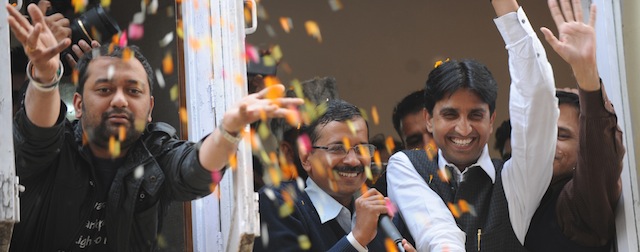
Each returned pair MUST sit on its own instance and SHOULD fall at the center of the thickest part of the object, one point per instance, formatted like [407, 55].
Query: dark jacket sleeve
[179, 160]
[586, 205]
[291, 232]
[36, 148]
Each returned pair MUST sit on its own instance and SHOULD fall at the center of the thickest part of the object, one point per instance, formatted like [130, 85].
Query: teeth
[461, 141]
[347, 174]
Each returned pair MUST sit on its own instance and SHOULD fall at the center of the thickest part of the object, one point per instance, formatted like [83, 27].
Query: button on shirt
[328, 209]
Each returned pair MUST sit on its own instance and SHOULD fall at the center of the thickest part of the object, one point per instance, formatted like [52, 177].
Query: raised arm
[42, 101]
[594, 189]
[533, 109]
[216, 148]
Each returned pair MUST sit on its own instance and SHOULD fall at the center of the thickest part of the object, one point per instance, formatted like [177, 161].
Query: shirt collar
[484, 162]
[326, 206]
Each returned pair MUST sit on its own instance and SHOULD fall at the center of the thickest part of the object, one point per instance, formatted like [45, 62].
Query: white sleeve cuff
[355, 243]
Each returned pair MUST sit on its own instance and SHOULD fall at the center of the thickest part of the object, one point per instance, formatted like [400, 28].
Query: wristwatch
[231, 138]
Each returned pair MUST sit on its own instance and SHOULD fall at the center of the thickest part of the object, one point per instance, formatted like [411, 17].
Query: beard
[101, 133]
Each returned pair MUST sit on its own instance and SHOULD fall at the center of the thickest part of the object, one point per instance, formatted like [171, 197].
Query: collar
[484, 162]
[326, 206]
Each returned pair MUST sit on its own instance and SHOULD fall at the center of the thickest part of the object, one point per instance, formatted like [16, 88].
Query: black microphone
[390, 231]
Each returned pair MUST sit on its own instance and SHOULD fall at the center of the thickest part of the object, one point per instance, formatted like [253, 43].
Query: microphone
[390, 231]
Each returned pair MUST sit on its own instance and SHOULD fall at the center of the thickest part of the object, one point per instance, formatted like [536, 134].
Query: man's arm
[533, 109]
[586, 205]
[216, 149]
[427, 217]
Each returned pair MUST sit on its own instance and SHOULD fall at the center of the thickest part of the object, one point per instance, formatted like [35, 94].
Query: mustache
[358, 169]
[113, 111]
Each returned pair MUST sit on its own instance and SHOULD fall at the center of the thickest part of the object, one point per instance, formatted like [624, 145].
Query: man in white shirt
[326, 215]
[492, 202]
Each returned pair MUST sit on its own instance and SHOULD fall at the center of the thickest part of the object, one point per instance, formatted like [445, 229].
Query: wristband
[231, 138]
[45, 87]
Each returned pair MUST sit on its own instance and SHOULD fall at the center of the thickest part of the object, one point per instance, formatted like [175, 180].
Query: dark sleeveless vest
[544, 232]
[486, 223]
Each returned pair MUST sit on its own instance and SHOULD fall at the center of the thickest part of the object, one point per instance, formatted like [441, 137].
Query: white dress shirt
[533, 109]
[328, 209]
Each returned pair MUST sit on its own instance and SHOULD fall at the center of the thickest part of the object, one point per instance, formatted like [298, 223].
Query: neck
[105, 153]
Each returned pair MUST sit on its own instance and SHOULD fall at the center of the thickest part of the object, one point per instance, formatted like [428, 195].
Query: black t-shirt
[93, 234]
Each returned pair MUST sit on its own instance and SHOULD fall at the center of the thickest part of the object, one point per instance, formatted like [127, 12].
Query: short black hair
[452, 75]
[502, 134]
[568, 98]
[110, 50]
[410, 104]
[336, 110]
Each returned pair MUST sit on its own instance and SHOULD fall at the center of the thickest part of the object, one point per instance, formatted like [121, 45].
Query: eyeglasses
[361, 150]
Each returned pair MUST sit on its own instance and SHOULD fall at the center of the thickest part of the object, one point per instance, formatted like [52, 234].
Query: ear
[77, 104]
[305, 160]
[287, 150]
[429, 120]
[151, 103]
[493, 118]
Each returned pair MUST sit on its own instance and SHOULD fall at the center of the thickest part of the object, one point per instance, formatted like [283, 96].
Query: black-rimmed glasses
[361, 150]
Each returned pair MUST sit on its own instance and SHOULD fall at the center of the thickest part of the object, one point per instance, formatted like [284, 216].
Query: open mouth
[461, 142]
[349, 172]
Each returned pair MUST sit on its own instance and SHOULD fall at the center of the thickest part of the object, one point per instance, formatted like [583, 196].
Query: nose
[463, 127]
[351, 158]
[119, 99]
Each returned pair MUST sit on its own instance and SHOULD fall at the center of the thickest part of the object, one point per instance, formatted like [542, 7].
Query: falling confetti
[313, 30]
[124, 41]
[439, 62]
[270, 31]
[335, 5]
[136, 31]
[431, 149]
[183, 115]
[122, 133]
[286, 24]
[105, 3]
[376, 158]
[233, 160]
[351, 126]
[110, 72]
[444, 175]
[167, 64]
[138, 172]
[374, 115]
[390, 144]
[127, 54]
[454, 209]
[347, 143]
[264, 235]
[174, 92]
[114, 147]
[153, 7]
[367, 172]
[252, 53]
[166, 39]
[276, 52]
[304, 242]
[304, 143]
[390, 245]
[79, 5]
[160, 79]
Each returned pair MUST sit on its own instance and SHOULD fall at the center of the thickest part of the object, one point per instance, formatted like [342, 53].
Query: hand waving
[576, 41]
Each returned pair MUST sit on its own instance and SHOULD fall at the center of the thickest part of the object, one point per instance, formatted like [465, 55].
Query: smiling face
[414, 130]
[461, 125]
[568, 141]
[338, 175]
[111, 103]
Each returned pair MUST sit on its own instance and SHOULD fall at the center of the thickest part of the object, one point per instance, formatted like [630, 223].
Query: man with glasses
[322, 216]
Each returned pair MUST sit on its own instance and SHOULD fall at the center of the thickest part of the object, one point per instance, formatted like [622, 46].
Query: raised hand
[79, 50]
[57, 23]
[268, 103]
[576, 40]
[40, 45]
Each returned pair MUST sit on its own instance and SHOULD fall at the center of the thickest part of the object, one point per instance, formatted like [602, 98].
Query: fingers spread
[567, 10]
[556, 14]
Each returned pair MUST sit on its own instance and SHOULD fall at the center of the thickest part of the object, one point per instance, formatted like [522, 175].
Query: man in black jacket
[103, 183]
